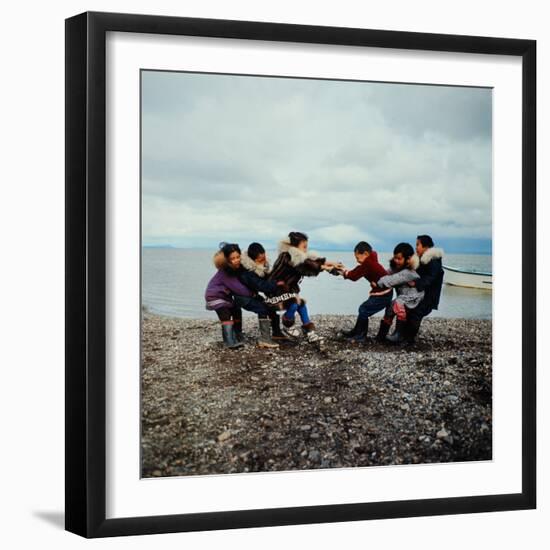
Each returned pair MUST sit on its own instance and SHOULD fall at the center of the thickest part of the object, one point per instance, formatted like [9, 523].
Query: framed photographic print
[300, 274]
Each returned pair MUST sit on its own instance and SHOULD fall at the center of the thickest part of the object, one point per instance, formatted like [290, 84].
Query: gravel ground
[208, 410]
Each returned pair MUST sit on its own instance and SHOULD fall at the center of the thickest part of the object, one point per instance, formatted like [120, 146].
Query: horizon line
[320, 249]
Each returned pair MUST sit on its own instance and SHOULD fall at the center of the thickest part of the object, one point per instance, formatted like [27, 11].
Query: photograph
[316, 274]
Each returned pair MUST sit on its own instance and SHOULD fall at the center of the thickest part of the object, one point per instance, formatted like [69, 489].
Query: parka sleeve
[427, 279]
[356, 273]
[256, 283]
[397, 278]
[236, 286]
[310, 267]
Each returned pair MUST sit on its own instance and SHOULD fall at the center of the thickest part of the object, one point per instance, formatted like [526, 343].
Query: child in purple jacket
[226, 295]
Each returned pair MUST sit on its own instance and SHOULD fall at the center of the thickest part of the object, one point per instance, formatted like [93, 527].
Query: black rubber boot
[276, 332]
[353, 331]
[398, 334]
[411, 330]
[361, 330]
[229, 339]
[383, 331]
[238, 329]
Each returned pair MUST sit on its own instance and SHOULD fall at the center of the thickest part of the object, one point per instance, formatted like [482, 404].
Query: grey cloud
[457, 112]
[264, 155]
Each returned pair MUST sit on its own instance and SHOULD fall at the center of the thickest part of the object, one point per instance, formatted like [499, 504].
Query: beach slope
[208, 410]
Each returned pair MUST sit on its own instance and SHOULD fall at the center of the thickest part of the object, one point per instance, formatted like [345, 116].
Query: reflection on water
[174, 280]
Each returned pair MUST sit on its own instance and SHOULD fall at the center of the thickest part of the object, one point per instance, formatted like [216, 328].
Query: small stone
[446, 383]
[314, 456]
[442, 434]
[305, 427]
[224, 436]
[328, 400]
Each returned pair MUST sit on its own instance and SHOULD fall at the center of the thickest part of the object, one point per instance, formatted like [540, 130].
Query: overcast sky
[239, 158]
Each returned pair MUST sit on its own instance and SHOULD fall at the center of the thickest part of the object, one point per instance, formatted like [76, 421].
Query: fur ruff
[415, 262]
[430, 254]
[250, 265]
[297, 256]
[219, 259]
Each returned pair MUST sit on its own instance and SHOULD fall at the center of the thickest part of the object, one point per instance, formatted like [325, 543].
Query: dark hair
[228, 249]
[405, 249]
[425, 240]
[296, 238]
[362, 247]
[254, 250]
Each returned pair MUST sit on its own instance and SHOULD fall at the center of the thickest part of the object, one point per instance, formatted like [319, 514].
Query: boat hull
[468, 279]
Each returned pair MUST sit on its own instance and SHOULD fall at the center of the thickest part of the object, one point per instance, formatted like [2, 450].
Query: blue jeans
[253, 304]
[302, 312]
[374, 304]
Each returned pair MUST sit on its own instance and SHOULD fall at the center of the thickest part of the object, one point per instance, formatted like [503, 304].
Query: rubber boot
[353, 331]
[265, 341]
[276, 332]
[411, 330]
[228, 333]
[383, 331]
[238, 329]
[362, 328]
[398, 334]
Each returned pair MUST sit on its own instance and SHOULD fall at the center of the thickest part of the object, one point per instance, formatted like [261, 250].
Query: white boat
[468, 279]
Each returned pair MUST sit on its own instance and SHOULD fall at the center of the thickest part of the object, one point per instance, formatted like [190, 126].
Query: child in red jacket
[371, 269]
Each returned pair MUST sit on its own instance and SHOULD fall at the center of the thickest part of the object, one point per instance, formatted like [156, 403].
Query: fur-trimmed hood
[250, 265]
[297, 256]
[219, 260]
[415, 262]
[431, 254]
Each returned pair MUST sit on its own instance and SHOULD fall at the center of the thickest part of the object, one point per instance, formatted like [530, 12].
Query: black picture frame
[86, 273]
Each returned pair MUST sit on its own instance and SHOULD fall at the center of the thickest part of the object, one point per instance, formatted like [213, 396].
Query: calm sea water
[174, 280]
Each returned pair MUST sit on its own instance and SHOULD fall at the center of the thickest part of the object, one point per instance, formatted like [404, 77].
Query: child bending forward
[294, 262]
[403, 267]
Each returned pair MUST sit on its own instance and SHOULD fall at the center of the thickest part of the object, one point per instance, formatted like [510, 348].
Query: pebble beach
[209, 410]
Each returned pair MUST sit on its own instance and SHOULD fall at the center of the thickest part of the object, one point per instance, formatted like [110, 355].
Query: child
[255, 276]
[430, 272]
[372, 270]
[403, 265]
[293, 263]
[226, 294]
